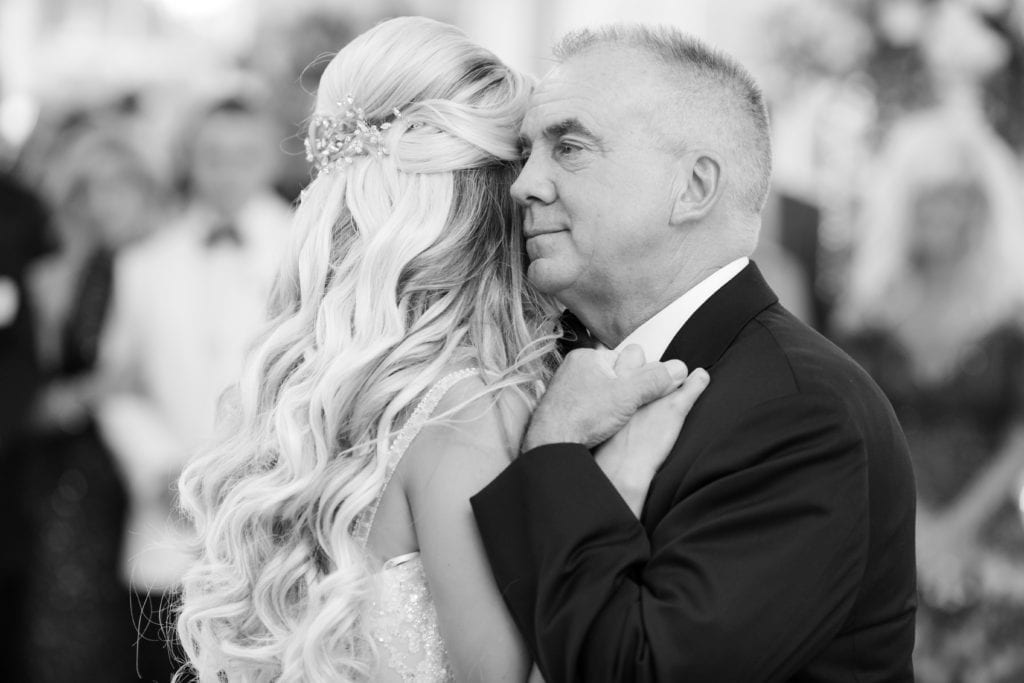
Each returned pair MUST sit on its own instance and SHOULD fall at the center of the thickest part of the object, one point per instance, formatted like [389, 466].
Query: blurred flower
[901, 21]
[194, 10]
[18, 115]
[989, 6]
[1020, 496]
[815, 37]
[958, 43]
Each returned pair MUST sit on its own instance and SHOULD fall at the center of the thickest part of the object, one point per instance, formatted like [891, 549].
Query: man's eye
[566, 148]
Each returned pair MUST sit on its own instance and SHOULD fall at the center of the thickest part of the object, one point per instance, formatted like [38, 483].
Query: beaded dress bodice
[402, 619]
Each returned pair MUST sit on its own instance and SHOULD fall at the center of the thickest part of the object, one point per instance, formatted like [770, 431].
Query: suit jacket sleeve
[747, 577]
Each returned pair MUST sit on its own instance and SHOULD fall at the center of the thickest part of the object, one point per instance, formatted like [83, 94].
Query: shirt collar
[656, 334]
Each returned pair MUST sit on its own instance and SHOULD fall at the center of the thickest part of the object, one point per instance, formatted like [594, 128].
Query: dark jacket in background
[24, 237]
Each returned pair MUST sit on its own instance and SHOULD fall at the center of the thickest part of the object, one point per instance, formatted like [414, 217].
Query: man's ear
[700, 185]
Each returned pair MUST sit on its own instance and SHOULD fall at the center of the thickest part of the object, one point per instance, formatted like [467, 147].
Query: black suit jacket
[776, 542]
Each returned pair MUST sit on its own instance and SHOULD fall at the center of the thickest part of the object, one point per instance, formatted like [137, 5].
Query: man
[776, 539]
[187, 304]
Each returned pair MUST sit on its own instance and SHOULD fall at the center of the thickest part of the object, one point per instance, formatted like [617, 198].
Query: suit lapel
[700, 343]
[713, 326]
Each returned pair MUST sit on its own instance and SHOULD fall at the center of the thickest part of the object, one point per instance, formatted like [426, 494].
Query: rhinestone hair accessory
[335, 140]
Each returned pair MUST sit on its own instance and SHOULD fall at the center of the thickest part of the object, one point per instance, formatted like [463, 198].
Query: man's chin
[548, 278]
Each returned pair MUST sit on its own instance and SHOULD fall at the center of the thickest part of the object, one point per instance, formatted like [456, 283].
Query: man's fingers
[578, 361]
[685, 396]
[656, 380]
[673, 408]
[630, 358]
[607, 362]
[677, 369]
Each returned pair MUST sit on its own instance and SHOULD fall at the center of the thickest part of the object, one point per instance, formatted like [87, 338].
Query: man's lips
[535, 242]
[532, 232]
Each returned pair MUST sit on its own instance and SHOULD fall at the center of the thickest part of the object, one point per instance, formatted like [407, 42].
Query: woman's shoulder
[467, 385]
[471, 403]
[471, 422]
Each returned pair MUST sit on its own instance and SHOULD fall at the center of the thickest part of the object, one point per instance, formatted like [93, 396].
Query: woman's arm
[991, 488]
[947, 541]
[631, 458]
[446, 464]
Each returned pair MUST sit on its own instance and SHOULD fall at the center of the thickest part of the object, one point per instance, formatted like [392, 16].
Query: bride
[404, 353]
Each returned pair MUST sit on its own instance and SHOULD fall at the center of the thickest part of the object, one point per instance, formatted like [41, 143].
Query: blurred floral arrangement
[841, 73]
[151, 64]
[905, 52]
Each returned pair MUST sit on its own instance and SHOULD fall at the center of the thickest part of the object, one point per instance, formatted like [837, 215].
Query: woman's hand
[631, 457]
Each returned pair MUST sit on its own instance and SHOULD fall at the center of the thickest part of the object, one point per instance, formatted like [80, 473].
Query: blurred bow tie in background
[223, 234]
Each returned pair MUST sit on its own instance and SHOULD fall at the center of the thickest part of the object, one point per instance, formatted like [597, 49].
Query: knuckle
[656, 379]
[577, 355]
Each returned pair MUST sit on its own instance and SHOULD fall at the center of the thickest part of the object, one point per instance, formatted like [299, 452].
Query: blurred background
[149, 151]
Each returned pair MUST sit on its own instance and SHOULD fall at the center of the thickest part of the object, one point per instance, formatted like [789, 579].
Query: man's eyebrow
[557, 130]
[567, 126]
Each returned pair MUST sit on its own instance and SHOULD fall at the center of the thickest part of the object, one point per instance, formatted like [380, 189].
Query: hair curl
[399, 269]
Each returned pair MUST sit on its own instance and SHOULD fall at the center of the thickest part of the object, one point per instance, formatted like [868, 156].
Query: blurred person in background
[819, 110]
[294, 49]
[24, 238]
[103, 198]
[783, 267]
[187, 304]
[933, 311]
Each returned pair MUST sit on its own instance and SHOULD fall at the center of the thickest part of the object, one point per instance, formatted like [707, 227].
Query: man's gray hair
[715, 72]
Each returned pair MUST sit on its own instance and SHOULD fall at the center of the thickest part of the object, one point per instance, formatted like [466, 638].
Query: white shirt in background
[183, 316]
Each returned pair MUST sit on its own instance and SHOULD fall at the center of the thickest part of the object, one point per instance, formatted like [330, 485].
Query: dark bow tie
[574, 334]
[223, 234]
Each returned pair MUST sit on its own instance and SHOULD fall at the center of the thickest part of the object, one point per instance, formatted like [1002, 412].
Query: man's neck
[612, 319]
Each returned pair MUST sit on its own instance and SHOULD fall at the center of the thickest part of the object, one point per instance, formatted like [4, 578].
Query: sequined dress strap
[405, 435]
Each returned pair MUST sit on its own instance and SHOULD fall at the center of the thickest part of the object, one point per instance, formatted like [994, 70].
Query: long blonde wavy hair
[399, 269]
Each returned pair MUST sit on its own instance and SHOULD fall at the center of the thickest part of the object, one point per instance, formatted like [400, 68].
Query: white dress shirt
[657, 333]
[183, 315]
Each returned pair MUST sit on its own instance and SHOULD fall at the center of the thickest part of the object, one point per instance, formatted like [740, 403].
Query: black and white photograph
[512, 341]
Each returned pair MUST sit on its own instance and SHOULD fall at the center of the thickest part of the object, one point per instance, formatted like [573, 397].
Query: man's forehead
[566, 92]
[591, 87]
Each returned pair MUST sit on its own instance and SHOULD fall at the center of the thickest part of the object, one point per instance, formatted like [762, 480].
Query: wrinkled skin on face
[598, 179]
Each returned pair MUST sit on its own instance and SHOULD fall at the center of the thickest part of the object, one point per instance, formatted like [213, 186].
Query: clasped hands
[625, 409]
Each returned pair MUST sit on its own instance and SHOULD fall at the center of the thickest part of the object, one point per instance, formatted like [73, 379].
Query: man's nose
[534, 184]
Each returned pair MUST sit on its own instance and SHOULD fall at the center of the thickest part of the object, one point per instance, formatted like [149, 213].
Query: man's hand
[595, 393]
